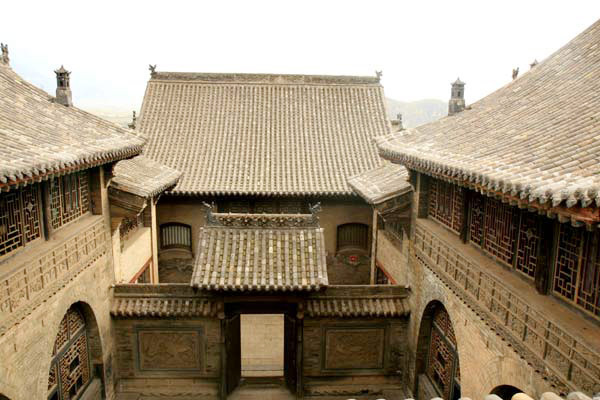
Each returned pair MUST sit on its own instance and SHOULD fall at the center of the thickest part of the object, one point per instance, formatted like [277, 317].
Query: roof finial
[534, 63]
[515, 73]
[5, 60]
[152, 69]
[133, 120]
[379, 74]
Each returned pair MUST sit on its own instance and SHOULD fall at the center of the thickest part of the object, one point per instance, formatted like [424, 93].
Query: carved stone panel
[354, 348]
[168, 350]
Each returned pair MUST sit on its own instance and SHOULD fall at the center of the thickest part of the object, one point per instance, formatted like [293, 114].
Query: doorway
[261, 350]
[262, 345]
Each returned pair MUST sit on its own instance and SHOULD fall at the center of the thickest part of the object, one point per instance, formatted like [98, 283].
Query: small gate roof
[381, 183]
[260, 252]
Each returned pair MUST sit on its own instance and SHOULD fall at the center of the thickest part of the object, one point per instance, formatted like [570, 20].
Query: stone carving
[354, 348]
[379, 74]
[169, 350]
[152, 69]
[515, 73]
[245, 220]
[4, 48]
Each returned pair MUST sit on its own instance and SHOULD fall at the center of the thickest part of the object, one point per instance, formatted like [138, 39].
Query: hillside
[415, 113]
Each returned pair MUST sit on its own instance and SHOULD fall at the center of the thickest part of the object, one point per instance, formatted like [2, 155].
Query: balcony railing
[544, 344]
[39, 278]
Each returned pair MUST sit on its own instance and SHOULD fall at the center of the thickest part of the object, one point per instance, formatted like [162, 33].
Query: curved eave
[580, 206]
[41, 173]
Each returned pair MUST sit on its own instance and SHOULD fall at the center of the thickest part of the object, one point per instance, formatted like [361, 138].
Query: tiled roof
[359, 301]
[537, 137]
[260, 252]
[172, 300]
[251, 134]
[143, 177]
[381, 183]
[39, 137]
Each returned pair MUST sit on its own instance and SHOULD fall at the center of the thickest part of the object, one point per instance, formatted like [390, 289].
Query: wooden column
[223, 347]
[299, 358]
[373, 246]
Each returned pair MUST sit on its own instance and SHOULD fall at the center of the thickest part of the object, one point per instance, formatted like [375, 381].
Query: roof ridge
[265, 78]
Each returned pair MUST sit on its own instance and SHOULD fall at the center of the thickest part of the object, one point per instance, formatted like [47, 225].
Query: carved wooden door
[290, 342]
[233, 352]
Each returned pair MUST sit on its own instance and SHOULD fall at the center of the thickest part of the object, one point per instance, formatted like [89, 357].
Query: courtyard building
[276, 236]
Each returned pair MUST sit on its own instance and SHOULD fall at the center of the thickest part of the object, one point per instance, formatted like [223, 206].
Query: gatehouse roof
[381, 183]
[263, 134]
[39, 137]
[260, 252]
[537, 138]
[143, 177]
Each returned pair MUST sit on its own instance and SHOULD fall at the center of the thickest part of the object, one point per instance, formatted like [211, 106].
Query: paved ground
[261, 389]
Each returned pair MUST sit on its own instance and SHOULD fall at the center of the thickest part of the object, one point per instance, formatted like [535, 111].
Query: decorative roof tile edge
[170, 178]
[243, 220]
[276, 79]
[38, 174]
[523, 396]
[581, 206]
[264, 193]
[354, 183]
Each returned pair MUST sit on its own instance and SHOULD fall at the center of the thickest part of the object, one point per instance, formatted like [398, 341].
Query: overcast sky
[421, 46]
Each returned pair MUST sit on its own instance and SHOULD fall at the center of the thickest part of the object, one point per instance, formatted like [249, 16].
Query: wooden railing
[39, 278]
[544, 344]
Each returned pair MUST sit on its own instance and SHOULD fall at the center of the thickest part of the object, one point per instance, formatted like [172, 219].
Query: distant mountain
[415, 113]
[116, 115]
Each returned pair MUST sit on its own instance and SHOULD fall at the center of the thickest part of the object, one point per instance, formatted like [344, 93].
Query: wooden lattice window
[500, 230]
[176, 235]
[70, 371]
[19, 218]
[353, 236]
[442, 360]
[577, 268]
[446, 204]
[69, 198]
[528, 244]
[476, 218]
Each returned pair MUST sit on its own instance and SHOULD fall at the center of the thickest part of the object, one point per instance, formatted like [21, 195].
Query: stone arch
[437, 366]
[505, 392]
[77, 352]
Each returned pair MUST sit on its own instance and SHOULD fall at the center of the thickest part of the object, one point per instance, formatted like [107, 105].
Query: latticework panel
[74, 368]
[442, 320]
[446, 204]
[70, 367]
[19, 218]
[499, 230]
[69, 198]
[570, 242]
[63, 334]
[588, 289]
[440, 363]
[476, 215]
[528, 244]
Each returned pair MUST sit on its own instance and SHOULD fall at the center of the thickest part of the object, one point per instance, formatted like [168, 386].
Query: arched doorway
[505, 392]
[76, 355]
[437, 368]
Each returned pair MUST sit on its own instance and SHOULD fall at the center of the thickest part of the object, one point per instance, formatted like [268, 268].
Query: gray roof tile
[39, 137]
[251, 134]
[532, 138]
[143, 177]
[381, 183]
